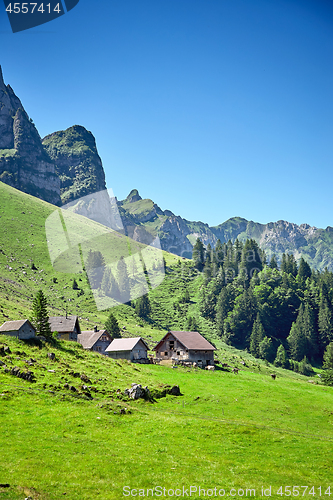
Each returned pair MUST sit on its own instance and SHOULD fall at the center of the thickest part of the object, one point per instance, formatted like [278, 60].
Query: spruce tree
[324, 323]
[257, 336]
[40, 317]
[281, 357]
[297, 340]
[112, 326]
[266, 349]
[142, 307]
[304, 270]
[327, 376]
[198, 255]
[95, 266]
[110, 286]
[123, 281]
[273, 263]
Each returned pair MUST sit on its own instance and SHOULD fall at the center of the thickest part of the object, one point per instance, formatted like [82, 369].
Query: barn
[67, 327]
[96, 340]
[134, 349]
[185, 346]
[22, 329]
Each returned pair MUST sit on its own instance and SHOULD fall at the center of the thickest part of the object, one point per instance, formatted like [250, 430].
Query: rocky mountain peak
[77, 161]
[2, 83]
[24, 164]
[133, 196]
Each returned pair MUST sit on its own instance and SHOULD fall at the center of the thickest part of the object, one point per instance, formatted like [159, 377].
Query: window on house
[172, 344]
[165, 354]
[178, 353]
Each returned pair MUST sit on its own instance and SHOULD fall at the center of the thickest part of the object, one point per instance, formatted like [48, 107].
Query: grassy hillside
[64, 436]
[23, 243]
[229, 431]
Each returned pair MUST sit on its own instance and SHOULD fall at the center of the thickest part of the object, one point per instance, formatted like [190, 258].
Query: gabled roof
[124, 344]
[14, 326]
[61, 324]
[190, 340]
[89, 338]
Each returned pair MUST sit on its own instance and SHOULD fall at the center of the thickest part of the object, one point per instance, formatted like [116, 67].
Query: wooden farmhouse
[186, 346]
[22, 329]
[134, 349]
[96, 340]
[68, 327]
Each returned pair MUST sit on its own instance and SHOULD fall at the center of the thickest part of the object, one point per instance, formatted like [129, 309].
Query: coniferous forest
[279, 311]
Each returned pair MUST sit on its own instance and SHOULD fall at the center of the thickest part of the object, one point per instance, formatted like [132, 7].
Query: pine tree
[328, 357]
[324, 323]
[273, 263]
[266, 349]
[40, 317]
[112, 326]
[281, 357]
[123, 281]
[309, 330]
[327, 376]
[297, 340]
[304, 270]
[95, 266]
[142, 307]
[219, 253]
[257, 336]
[198, 255]
[110, 286]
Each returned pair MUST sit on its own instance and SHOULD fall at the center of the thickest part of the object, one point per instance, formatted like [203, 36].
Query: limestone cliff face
[24, 164]
[143, 220]
[77, 161]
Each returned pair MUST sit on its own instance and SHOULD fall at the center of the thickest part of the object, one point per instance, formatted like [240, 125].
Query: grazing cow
[235, 370]
[273, 375]
[225, 365]
[210, 367]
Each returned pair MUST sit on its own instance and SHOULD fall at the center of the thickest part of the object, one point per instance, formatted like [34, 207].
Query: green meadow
[59, 439]
[226, 431]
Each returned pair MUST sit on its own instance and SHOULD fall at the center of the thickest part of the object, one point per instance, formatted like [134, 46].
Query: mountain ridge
[178, 235]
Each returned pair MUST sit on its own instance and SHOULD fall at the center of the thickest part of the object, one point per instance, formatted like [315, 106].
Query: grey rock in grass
[137, 391]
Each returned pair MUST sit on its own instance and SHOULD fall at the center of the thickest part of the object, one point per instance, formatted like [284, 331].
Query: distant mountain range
[65, 166]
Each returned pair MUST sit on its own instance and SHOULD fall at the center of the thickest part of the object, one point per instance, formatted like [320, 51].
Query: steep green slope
[25, 266]
[84, 439]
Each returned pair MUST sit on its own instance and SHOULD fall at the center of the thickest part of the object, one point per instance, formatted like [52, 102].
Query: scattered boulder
[174, 391]
[137, 392]
[16, 372]
[2, 363]
[72, 388]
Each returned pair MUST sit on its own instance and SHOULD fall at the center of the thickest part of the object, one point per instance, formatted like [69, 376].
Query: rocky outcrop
[24, 164]
[77, 161]
[143, 220]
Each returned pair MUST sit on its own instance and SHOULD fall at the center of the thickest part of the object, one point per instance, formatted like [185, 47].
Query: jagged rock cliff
[143, 220]
[24, 164]
[78, 164]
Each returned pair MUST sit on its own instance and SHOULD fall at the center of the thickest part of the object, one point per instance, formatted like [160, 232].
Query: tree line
[280, 312]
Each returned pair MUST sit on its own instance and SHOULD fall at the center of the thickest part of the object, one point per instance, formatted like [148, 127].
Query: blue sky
[212, 108]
